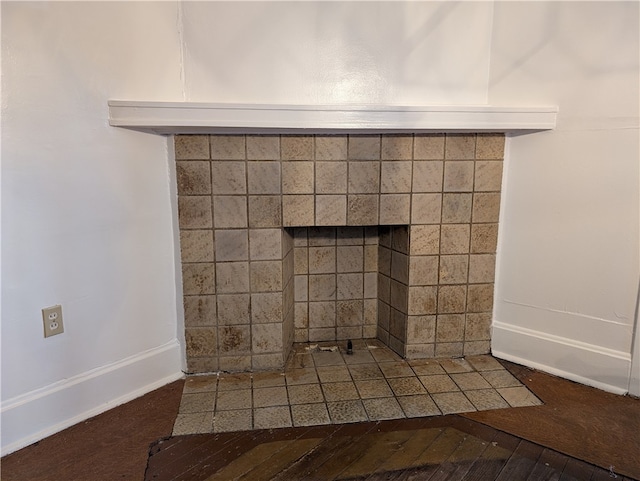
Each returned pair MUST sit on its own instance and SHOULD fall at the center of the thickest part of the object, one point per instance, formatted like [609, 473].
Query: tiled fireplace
[296, 238]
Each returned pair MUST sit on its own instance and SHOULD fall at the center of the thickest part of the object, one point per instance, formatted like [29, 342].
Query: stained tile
[455, 365]
[340, 391]
[305, 393]
[310, 414]
[196, 384]
[425, 367]
[501, 378]
[453, 402]
[301, 376]
[268, 379]
[519, 396]
[272, 417]
[327, 358]
[346, 412]
[296, 147]
[227, 147]
[484, 363]
[365, 371]
[331, 374]
[192, 147]
[228, 178]
[364, 147]
[383, 408]
[395, 369]
[232, 420]
[263, 147]
[373, 388]
[470, 380]
[270, 396]
[359, 356]
[297, 178]
[437, 383]
[197, 402]
[231, 382]
[331, 147]
[193, 423]
[384, 355]
[428, 146]
[236, 399]
[405, 386]
[418, 406]
[193, 177]
[486, 399]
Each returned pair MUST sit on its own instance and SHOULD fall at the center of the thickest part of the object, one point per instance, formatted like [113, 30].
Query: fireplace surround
[332, 237]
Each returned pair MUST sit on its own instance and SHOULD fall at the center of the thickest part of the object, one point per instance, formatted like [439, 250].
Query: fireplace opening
[308, 238]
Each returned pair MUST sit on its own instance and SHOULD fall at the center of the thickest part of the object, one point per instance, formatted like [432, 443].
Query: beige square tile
[263, 147]
[194, 212]
[310, 414]
[197, 402]
[486, 399]
[296, 147]
[360, 372]
[438, 383]
[265, 244]
[359, 356]
[331, 147]
[193, 177]
[500, 379]
[460, 146]
[474, 348]
[424, 367]
[266, 307]
[198, 279]
[422, 300]
[301, 260]
[519, 397]
[196, 246]
[349, 313]
[233, 309]
[397, 147]
[322, 260]
[298, 210]
[322, 334]
[488, 176]
[453, 402]
[454, 269]
[228, 178]
[364, 147]
[480, 298]
[233, 399]
[399, 295]
[231, 245]
[331, 210]
[395, 177]
[340, 391]
[199, 310]
[322, 314]
[428, 146]
[301, 315]
[486, 207]
[197, 384]
[482, 268]
[362, 209]
[227, 147]
[490, 146]
[395, 369]
[350, 259]
[383, 408]
[478, 327]
[456, 208]
[370, 285]
[333, 374]
[266, 276]
[423, 270]
[263, 178]
[458, 176]
[350, 286]
[301, 287]
[427, 176]
[346, 412]
[267, 379]
[420, 351]
[384, 261]
[421, 329]
[454, 239]
[234, 420]
[400, 267]
[406, 386]
[266, 338]
[229, 211]
[297, 178]
[449, 349]
[196, 365]
[400, 238]
[426, 208]
[305, 393]
[467, 381]
[232, 277]
[451, 299]
[453, 366]
[373, 388]
[234, 340]
[322, 287]
[364, 177]
[398, 329]
[484, 363]
[395, 208]
[191, 147]
[331, 177]
[272, 417]
[307, 375]
[425, 239]
[201, 341]
[322, 236]
[193, 423]
[484, 238]
[265, 211]
[419, 405]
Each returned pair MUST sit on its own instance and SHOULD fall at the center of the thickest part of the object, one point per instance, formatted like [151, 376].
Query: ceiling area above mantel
[166, 118]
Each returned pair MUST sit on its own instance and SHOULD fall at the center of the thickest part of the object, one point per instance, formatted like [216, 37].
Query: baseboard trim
[35, 415]
[588, 364]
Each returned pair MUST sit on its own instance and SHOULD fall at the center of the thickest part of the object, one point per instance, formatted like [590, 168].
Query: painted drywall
[384, 53]
[567, 275]
[86, 211]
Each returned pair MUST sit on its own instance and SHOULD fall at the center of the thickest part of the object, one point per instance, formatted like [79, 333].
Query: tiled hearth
[331, 237]
[332, 387]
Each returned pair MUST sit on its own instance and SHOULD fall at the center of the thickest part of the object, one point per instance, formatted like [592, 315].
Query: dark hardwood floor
[580, 433]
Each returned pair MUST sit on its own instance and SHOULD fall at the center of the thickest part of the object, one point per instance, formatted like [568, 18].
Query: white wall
[567, 275]
[415, 53]
[86, 212]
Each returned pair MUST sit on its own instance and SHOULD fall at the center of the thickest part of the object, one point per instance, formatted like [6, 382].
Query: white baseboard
[588, 364]
[37, 414]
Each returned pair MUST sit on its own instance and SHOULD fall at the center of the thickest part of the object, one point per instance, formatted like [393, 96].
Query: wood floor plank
[493, 459]
[549, 466]
[458, 464]
[576, 470]
[521, 463]
[410, 450]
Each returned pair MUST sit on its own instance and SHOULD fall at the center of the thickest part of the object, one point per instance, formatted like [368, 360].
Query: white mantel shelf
[165, 118]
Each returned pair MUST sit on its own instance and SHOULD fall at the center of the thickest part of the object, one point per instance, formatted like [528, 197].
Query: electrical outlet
[52, 318]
